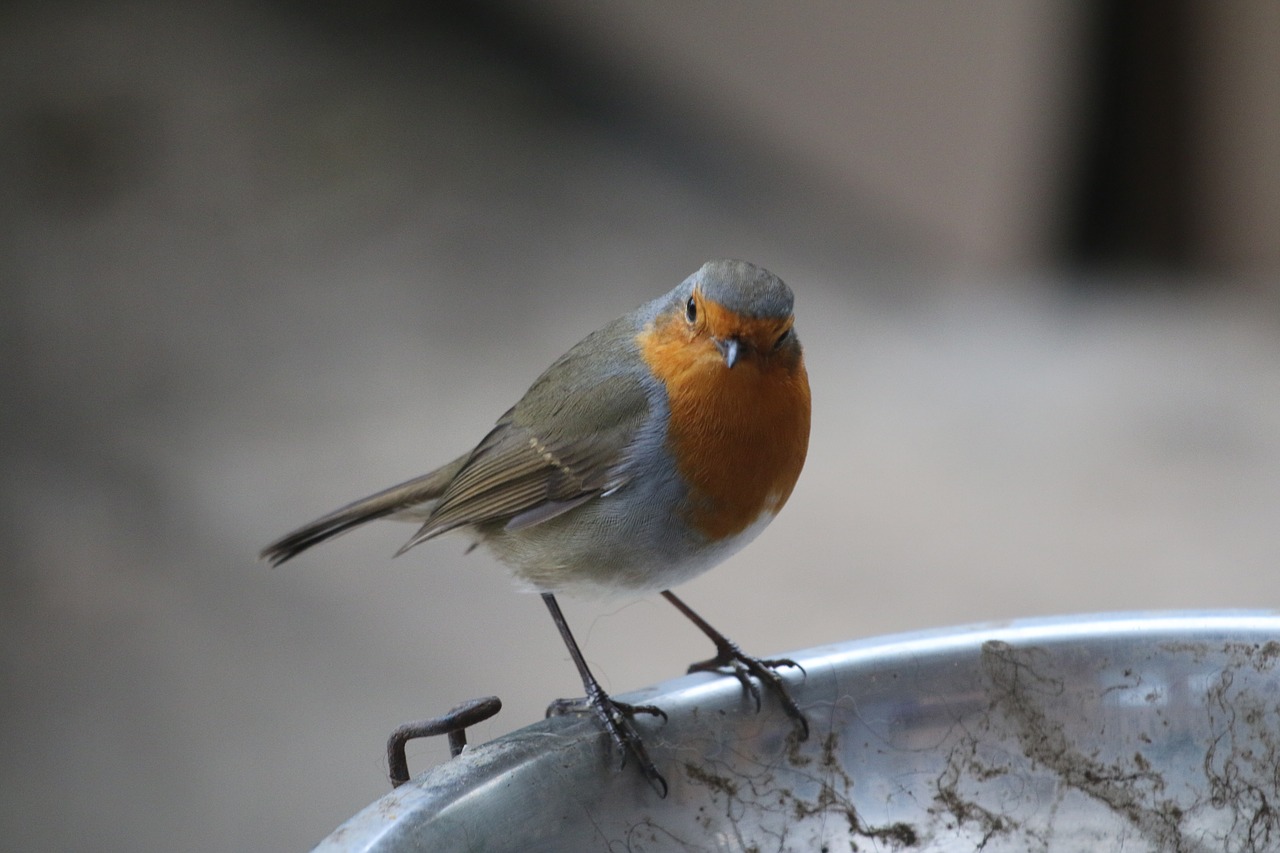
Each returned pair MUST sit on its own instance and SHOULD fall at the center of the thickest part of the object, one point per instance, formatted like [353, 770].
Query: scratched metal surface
[1134, 732]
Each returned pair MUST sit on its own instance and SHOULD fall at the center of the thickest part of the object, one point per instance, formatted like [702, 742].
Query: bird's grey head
[744, 288]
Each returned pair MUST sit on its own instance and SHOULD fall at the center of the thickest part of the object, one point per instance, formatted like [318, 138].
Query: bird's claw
[752, 672]
[582, 705]
[616, 717]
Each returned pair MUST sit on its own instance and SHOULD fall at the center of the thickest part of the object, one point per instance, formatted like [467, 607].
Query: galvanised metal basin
[1134, 732]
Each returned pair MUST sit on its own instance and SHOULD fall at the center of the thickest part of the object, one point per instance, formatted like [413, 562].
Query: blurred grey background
[259, 260]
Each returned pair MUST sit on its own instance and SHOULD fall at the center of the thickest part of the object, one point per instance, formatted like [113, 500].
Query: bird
[651, 451]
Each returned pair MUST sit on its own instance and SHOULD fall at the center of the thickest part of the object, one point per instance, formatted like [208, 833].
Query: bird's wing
[384, 503]
[563, 444]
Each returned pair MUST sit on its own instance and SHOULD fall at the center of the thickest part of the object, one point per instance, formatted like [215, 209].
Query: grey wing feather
[387, 502]
[521, 477]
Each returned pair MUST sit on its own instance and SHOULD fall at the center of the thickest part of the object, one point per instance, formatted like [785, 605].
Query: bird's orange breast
[738, 435]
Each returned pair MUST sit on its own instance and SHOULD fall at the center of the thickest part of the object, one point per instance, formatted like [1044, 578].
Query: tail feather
[387, 502]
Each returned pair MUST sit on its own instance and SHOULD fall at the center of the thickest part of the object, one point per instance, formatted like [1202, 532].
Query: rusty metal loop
[454, 724]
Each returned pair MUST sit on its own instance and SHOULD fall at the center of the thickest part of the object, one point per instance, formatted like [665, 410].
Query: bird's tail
[409, 499]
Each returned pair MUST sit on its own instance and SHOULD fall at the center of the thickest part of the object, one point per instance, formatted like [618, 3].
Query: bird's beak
[729, 349]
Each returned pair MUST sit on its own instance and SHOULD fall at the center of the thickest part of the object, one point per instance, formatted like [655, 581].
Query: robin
[649, 452]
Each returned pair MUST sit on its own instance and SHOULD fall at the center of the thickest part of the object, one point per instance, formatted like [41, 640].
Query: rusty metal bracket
[454, 724]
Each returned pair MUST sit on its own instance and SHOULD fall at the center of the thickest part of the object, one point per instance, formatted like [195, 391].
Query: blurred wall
[1002, 135]
[953, 120]
[1236, 137]
[1177, 168]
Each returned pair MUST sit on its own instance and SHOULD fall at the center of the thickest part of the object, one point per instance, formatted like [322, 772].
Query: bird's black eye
[691, 310]
[782, 339]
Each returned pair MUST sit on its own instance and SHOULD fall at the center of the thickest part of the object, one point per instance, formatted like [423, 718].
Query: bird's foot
[616, 717]
[752, 672]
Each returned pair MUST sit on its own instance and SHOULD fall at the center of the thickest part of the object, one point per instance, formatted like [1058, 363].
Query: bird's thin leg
[732, 660]
[616, 716]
